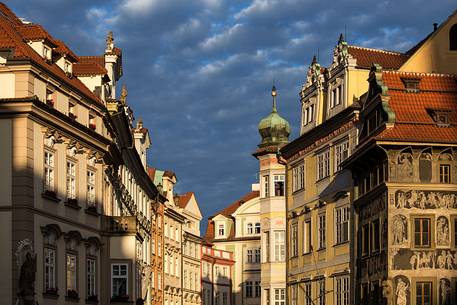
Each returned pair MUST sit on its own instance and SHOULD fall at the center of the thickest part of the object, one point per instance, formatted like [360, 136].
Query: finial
[314, 60]
[109, 41]
[123, 97]
[273, 94]
[341, 39]
[139, 123]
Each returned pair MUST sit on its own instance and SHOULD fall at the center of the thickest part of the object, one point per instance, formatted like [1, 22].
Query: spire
[341, 39]
[273, 94]
[314, 60]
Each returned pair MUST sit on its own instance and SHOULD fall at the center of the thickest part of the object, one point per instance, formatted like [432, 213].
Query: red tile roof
[366, 57]
[35, 32]
[169, 174]
[413, 120]
[11, 37]
[183, 200]
[64, 50]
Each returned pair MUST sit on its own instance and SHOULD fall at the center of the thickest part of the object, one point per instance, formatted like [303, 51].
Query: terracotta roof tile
[35, 32]
[366, 57]
[11, 38]
[63, 49]
[413, 120]
[169, 173]
[183, 200]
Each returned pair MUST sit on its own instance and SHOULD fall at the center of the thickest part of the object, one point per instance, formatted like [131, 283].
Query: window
[321, 292]
[423, 293]
[321, 231]
[71, 275]
[46, 52]
[308, 115]
[341, 153]
[323, 165]
[307, 293]
[257, 256]
[375, 238]
[445, 173]
[224, 298]
[294, 240]
[72, 110]
[342, 290]
[221, 230]
[280, 296]
[50, 98]
[48, 171]
[91, 277]
[257, 289]
[364, 294]
[249, 256]
[248, 289]
[50, 270]
[267, 245]
[257, 228]
[66, 66]
[250, 228]
[92, 124]
[280, 246]
[294, 294]
[266, 185]
[119, 280]
[298, 177]
[342, 224]
[365, 239]
[267, 296]
[307, 236]
[279, 185]
[422, 232]
[90, 188]
[453, 38]
[71, 180]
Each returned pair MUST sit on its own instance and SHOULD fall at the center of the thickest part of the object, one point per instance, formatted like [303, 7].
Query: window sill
[50, 195]
[50, 295]
[72, 299]
[92, 300]
[322, 179]
[341, 243]
[92, 211]
[307, 253]
[72, 203]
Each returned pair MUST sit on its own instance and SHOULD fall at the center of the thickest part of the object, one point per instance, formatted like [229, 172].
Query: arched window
[453, 38]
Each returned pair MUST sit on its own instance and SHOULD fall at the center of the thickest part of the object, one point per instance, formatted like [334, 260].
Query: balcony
[119, 224]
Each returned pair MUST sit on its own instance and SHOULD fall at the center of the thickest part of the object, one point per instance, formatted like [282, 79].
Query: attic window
[453, 38]
[46, 52]
[67, 67]
[411, 84]
[440, 116]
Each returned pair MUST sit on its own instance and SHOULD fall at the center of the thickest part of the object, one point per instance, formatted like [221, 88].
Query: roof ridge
[420, 73]
[378, 50]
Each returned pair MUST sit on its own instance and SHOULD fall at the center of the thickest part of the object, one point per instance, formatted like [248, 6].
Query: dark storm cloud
[199, 72]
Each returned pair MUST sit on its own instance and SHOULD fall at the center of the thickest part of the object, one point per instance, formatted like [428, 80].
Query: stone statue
[431, 198]
[445, 291]
[422, 200]
[400, 292]
[441, 260]
[442, 231]
[123, 97]
[109, 41]
[412, 199]
[401, 200]
[449, 260]
[26, 262]
[406, 165]
[399, 230]
[414, 260]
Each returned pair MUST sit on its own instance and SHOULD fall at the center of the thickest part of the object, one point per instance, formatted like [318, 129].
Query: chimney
[435, 26]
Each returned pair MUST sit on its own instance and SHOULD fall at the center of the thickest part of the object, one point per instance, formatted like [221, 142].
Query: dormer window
[221, 230]
[453, 38]
[67, 66]
[50, 97]
[46, 52]
[440, 116]
[92, 124]
[72, 110]
[411, 84]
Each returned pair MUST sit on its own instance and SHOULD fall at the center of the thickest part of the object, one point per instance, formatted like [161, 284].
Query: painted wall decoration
[406, 259]
[445, 292]
[425, 200]
[402, 288]
[399, 230]
[442, 231]
[405, 165]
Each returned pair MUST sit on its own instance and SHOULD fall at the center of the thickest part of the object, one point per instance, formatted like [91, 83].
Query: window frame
[279, 296]
[342, 221]
[323, 164]
[71, 173]
[307, 236]
[321, 231]
[49, 170]
[280, 247]
[431, 222]
[71, 254]
[342, 152]
[294, 239]
[91, 275]
[298, 177]
[112, 276]
[342, 290]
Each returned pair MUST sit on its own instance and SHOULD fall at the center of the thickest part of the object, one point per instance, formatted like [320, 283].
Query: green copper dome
[274, 129]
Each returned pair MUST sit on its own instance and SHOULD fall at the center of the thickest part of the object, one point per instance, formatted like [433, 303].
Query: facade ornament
[405, 161]
[399, 229]
[442, 231]
[26, 263]
[123, 97]
[340, 52]
[401, 292]
[387, 291]
[445, 291]
[109, 41]
[314, 72]
[51, 137]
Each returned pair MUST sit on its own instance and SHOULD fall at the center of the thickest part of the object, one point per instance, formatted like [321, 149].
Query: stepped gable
[366, 57]
[12, 37]
[414, 119]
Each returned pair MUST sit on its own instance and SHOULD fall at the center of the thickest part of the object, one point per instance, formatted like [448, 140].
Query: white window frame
[342, 218]
[250, 228]
[323, 164]
[249, 256]
[91, 180]
[71, 283]
[91, 280]
[126, 276]
[221, 230]
[278, 179]
[321, 231]
[280, 296]
[298, 177]
[341, 153]
[280, 245]
[49, 170]
[266, 186]
[49, 269]
[342, 288]
[294, 240]
[257, 228]
[71, 179]
[307, 236]
[257, 255]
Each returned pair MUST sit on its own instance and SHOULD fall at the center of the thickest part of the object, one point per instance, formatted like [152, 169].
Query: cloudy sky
[199, 72]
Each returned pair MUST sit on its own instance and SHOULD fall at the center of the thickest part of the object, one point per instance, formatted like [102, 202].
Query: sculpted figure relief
[399, 229]
[401, 291]
[445, 291]
[442, 231]
[405, 160]
[425, 200]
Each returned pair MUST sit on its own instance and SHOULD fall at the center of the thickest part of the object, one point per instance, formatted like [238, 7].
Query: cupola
[273, 129]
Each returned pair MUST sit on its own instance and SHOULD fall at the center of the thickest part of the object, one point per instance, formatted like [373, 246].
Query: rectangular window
[280, 296]
[280, 246]
[375, 238]
[323, 165]
[321, 292]
[119, 280]
[250, 256]
[90, 188]
[250, 228]
[366, 239]
[294, 240]
[422, 232]
[424, 293]
[279, 185]
[266, 185]
[71, 274]
[307, 236]
[50, 270]
[341, 153]
[267, 246]
[257, 228]
[257, 289]
[445, 173]
[342, 224]
[342, 290]
[307, 293]
[294, 294]
[321, 231]
[91, 277]
[298, 177]
[48, 171]
[257, 256]
[311, 113]
[71, 180]
[267, 296]
[248, 289]
[221, 230]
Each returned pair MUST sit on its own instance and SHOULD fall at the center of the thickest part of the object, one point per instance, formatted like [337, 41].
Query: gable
[193, 209]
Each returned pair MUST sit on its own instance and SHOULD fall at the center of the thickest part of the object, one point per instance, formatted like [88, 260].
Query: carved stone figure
[412, 199]
[399, 229]
[400, 292]
[387, 291]
[442, 231]
[123, 97]
[425, 260]
[445, 291]
[109, 41]
[26, 262]
[441, 260]
[449, 260]
[401, 200]
[422, 200]
[431, 198]
[414, 260]
[405, 160]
